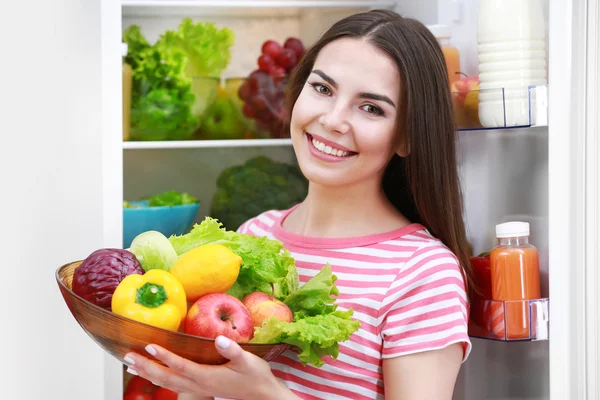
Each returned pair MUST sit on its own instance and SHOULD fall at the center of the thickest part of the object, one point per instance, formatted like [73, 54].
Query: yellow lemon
[211, 268]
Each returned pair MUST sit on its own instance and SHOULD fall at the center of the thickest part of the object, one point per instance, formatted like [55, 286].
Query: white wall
[51, 197]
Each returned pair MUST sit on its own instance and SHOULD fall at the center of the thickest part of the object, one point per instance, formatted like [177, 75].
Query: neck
[331, 212]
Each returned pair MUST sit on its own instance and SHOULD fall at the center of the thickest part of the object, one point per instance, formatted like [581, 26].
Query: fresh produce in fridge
[266, 265]
[170, 89]
[465, 98]
[260, 184]
[219, 314]
[139, 384]
[264, 91]
[263, 306]
[208, 268]
[155, 298]
[208, 50]
[482, 275]
[222, 120]
[138, 396]
[170, 198]
[97, 277]
[141, 388]
[207, 47]
[165, 394]
[162, 97]
[154, 251]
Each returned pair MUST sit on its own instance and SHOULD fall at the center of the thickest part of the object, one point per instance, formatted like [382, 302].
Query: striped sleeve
[426, 306]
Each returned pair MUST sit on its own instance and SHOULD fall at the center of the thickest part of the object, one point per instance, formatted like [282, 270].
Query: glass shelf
[508, 321]
[206, 144]
[240, 8]
[501, 108]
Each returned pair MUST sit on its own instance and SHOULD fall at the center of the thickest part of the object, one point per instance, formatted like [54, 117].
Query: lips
[332, 147]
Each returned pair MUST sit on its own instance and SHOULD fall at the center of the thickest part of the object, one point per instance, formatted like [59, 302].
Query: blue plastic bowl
[174, 220]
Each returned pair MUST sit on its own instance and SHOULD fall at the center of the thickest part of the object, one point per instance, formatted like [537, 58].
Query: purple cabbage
[97, 277]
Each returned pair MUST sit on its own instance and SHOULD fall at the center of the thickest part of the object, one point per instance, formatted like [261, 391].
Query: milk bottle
[512, 57]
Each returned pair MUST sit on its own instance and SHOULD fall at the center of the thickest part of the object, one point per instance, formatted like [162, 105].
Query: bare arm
[429, 375]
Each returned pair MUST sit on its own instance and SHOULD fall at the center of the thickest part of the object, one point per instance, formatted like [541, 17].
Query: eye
[321, 89]
[371, 109]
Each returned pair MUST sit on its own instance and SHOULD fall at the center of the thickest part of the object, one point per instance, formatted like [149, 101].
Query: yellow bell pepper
[155, 298]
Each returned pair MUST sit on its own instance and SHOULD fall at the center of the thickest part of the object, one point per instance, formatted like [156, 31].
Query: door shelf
[240, 8]
[509, 321]
[502, 108]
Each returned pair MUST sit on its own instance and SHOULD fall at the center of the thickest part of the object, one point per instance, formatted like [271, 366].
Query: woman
[372, 128]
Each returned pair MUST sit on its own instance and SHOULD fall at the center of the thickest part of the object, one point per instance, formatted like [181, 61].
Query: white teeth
[328, 149]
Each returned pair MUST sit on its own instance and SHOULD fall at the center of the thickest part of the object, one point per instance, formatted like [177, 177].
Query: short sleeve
[426, 306]
[244, 227]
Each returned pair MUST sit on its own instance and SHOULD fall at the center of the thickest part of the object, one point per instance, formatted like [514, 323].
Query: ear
[403, 148]
[403, 151]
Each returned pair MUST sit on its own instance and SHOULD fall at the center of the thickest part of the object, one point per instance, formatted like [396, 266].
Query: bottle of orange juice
[515, 276]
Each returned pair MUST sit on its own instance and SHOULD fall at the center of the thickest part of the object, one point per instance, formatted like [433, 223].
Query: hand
[245, 376]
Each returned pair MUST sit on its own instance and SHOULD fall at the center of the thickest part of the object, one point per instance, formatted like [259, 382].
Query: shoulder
[262, 223]
[430, 277]
[431, 257]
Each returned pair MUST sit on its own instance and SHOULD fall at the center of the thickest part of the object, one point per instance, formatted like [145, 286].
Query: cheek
[306, 110]
[376, 137]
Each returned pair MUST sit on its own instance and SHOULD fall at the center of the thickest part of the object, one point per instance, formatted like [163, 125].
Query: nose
[335, 119]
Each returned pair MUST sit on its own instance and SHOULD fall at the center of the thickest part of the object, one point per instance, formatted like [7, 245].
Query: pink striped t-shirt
[405, 287]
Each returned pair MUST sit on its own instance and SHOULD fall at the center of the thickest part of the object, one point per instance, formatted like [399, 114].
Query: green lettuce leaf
[207, 47]
[314, 336]
[162, 97]
[266, 265]
[315, 297]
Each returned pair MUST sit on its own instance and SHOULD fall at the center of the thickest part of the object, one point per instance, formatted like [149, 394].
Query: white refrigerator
[66, 170]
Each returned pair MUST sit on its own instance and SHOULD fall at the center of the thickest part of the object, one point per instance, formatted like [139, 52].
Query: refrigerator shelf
[501, 108]
[509, 321]
[205, 144]
[240, 8]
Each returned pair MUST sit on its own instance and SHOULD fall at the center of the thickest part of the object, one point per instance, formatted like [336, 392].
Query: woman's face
[343, 125]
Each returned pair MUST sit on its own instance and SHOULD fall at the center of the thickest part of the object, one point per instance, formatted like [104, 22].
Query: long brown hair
[424, 186]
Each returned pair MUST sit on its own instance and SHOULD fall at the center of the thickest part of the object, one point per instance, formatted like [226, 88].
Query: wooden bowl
[119, 335]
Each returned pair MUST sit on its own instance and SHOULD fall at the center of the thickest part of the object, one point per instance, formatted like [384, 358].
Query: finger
[230, 349]
[184, 367]
[158, 374]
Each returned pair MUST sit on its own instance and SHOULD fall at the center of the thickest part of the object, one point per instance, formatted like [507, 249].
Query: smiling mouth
[328, 149]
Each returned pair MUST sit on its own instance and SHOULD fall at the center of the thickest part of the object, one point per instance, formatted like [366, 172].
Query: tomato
[165, 394]
[482, 274]
[137, 384]
[138, 396]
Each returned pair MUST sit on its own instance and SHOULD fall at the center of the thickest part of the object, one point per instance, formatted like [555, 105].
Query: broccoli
[261, 184]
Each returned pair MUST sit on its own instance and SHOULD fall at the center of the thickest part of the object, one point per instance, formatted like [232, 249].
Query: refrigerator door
[574, 199]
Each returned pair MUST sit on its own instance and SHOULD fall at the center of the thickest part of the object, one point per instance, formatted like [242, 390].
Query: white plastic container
[512, 58]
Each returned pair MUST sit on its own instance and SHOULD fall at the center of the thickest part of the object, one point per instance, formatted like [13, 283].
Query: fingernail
[129, 360]
[155, 384]
[131, 371]
[151, 350]
[223, 342]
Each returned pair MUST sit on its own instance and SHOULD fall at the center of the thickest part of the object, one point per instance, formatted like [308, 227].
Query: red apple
[263, 306]
[219, 314]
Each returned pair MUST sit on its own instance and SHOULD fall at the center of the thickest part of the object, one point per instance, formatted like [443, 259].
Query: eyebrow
[363, 95]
